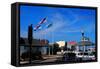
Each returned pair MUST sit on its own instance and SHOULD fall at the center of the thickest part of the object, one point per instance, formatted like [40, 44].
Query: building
[37, 45]
[85, 43]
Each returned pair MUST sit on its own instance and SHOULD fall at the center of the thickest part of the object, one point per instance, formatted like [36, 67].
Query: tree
[22, 40]
[55, 48]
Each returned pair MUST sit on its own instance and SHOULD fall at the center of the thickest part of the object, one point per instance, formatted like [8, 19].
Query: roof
[35, 42]
[85, 43]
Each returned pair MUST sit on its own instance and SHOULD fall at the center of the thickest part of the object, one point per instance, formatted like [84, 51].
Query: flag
[36, 27]
[43, 20]
[39, 24]
[49, 25]
[40, 28]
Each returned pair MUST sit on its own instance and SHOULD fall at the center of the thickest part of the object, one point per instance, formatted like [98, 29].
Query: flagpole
[52, 41]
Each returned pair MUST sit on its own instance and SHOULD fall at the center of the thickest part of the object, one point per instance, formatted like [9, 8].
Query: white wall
[5, 21]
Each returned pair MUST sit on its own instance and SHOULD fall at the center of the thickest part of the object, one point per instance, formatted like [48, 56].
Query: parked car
[69, 57]
[84, 56]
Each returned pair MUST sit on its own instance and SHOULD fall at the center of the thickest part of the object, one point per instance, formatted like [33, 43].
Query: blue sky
[67, 23]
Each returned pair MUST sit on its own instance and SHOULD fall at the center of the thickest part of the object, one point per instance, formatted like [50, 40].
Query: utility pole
[30, 38]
